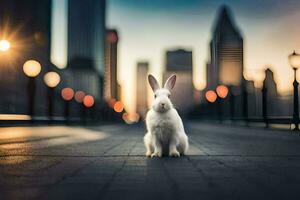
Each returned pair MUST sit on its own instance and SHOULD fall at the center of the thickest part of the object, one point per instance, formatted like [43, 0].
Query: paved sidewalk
[108, 162]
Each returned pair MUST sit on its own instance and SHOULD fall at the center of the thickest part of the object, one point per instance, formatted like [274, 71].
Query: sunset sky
[148, 28]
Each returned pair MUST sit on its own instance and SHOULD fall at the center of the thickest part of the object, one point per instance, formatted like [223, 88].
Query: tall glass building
[180, 62]
[86, 31]
[226, 49]
[86, 45]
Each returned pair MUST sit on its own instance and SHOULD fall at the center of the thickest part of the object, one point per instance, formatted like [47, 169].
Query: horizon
[267, 28]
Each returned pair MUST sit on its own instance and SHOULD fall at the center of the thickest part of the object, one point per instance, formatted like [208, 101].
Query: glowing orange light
[79, 96]
[211, 96]
[118, 107]
[67, 94]
[222, 91]
[4, 45]
[32, 68]
[88, 101]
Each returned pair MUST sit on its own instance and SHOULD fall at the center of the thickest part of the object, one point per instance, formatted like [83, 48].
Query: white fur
[165, 132]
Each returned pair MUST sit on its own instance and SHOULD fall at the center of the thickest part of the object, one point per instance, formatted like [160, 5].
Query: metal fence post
[264, 105]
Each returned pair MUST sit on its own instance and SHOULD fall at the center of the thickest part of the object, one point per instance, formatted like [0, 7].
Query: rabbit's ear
[153, 82]
[170, 82]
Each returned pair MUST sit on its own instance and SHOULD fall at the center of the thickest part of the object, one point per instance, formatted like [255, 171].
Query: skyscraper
[86, 31]
[270, 83]
[180, 62]
[272, 97]
[110, 71]
[226, 49]
[142, 88]
[86, 45]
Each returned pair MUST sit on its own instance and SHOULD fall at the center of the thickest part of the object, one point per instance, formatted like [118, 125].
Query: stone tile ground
[108, 162]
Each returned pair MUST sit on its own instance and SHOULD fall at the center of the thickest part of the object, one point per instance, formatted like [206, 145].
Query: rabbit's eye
[155, 96]
[169, 95]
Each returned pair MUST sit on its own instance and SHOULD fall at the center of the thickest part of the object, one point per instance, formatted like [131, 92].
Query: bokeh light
[67, 94]
[32, 68]
[51, 79]
[118, 107]
[211, 96]
[222, 91]
[4, 45]
[79, 96]
[88, 101]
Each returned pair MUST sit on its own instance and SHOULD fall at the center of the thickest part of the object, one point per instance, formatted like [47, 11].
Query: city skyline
[189, 25]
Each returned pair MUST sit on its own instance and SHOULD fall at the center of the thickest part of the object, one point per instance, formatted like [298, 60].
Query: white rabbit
[165, 132]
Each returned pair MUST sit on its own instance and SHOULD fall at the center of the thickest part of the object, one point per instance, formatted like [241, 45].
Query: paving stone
[224, 162]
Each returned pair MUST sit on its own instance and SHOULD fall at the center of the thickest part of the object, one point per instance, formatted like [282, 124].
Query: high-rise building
[110, 71]
[270, 83]
[86, 31]
[81, 75]
[142, 88]
[180, 62]
[226, 49]
[86, 44]
[272, 96]
[26, 26]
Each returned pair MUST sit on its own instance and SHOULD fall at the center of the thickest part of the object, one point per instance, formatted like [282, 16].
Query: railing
[215, 110]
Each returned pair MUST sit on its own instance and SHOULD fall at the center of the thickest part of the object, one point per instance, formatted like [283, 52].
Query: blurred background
[74, 60]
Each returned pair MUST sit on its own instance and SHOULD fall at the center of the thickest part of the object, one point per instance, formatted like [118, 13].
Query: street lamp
[4, 45]
[264, 91]
[211, 97]
[79, 96]
[233, 92]
[31, 69]
[88, 102]
[67, 94]
[51, 79]
[294, 60]
[222, 92]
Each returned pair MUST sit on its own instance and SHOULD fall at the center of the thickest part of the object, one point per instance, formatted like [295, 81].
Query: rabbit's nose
[162, 104]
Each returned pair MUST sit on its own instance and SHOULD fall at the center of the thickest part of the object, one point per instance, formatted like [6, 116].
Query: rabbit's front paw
[156, 154]
[174, 154]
